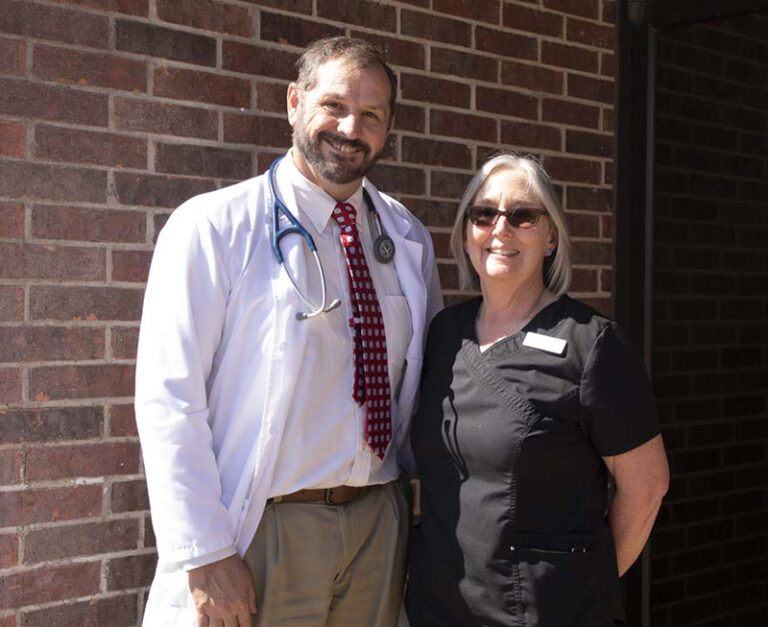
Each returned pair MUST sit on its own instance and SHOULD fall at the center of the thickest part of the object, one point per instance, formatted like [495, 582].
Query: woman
[529, 400]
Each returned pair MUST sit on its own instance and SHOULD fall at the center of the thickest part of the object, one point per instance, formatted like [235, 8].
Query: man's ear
[292, 103]
[391, 124]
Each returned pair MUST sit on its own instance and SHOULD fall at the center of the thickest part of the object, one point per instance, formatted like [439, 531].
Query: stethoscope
[383, 246]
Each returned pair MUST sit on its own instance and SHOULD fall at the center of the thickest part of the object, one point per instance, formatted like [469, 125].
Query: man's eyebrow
[383, 106]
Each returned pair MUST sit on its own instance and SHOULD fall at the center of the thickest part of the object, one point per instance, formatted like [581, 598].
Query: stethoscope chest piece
[384, 248]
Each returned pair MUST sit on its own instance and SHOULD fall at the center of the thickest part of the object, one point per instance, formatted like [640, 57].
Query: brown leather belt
[330, 496]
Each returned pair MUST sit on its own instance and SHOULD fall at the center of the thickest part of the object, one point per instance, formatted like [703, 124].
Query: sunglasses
[519, 218]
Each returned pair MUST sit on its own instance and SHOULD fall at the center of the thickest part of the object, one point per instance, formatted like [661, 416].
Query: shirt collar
[314, 201]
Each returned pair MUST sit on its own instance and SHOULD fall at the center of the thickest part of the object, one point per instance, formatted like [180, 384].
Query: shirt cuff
[208, 558]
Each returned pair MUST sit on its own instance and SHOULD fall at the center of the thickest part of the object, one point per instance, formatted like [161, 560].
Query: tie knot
[344, 213]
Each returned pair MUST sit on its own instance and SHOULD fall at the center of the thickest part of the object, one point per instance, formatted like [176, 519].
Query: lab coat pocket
[560, 581]
[397, 315]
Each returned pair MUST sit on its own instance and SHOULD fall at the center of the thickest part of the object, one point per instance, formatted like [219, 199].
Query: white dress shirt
[323, 442]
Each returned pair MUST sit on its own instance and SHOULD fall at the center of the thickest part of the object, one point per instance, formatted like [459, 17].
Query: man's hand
[223, 593]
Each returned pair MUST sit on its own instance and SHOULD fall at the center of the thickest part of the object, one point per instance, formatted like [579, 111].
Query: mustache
[343, 141]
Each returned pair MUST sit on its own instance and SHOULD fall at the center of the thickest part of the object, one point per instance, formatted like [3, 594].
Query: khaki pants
[337, 565]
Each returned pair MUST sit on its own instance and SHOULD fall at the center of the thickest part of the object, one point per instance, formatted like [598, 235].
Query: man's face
[341, 125]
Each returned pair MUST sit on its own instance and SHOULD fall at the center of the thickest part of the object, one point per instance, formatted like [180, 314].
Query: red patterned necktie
[371, 375]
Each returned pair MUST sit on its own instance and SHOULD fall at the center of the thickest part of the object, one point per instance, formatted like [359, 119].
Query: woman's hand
[642, 480]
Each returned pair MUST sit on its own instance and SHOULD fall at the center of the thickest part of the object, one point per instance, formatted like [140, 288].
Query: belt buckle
[328, 496]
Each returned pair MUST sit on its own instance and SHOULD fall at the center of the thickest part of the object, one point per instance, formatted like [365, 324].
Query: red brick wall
[710, 550]
[112, 112]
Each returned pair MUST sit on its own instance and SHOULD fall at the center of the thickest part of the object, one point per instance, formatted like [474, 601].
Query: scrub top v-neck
[508, 445]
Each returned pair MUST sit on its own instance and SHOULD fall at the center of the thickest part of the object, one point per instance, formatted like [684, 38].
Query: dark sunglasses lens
[483, 216]
[523, 218]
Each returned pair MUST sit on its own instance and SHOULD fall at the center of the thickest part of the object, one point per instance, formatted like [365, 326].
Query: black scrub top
[508, 446]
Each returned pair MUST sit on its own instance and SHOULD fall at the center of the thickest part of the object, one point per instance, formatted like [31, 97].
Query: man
[271, 437]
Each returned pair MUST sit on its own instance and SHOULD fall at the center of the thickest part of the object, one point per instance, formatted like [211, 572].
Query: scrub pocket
[560, 580]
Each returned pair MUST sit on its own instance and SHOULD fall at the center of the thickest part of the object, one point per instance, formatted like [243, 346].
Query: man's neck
[338, 191]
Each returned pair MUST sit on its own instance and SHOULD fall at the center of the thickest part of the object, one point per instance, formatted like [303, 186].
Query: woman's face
[504, 255]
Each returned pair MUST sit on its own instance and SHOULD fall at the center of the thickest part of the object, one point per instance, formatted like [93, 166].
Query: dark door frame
[638, 23]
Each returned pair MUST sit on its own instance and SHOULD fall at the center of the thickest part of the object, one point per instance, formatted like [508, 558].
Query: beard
[332, 167]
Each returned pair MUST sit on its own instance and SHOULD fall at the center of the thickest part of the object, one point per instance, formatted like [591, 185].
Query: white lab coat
[208, 469]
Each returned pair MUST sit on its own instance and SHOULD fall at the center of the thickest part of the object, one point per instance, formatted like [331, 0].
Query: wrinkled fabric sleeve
[618, 408]
[181, 326]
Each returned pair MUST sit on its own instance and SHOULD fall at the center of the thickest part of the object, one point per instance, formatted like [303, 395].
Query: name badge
[545, 343]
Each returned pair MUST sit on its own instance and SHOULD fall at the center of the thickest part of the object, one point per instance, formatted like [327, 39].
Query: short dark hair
[358, 52]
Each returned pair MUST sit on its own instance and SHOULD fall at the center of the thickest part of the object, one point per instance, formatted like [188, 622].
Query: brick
[134, 571]
[428, 151]
[131, 265]
[410, 118]
[524, 134]
[122, 421]
[487, 11]
[285, 29]
[29, 506]
[580, 142]
[83, 539]
[87, 460]
[582, 8]
[120, 611]
[78, 146]
[60, 104]
[258, 60]
[11, 221]
[402, 180]
[13, 139]
[31, 261]
[20, 17]
[533, 21]
[51, 583]
[164, 43]
[11, 303]
[572, 57]
[432, 212]
[440, 91]
[271, 97]
[207, 15]
[129, 496]
[590, 34]
[166, 119]
[505, 102]
[202, 161]
[25, 344]
[536, 78]
[256, 129]
[88, 225]
[592, 253]
[181, 84]
[49, 182]
[608, 64]
[441, 243]
[89, 69]
[294, 6]
[506, 44]
[589, 198]
[9, 550]
[12, 57]
[124, 341]
[458, 63]
[588, 88]
[158, 191]
[84, 303]
[571, 113]
[396, 50]
[448, 184]
[609, 11]
[583, 281]
[10, 474]
[51, 424]
[454, 124]
[70, 382]
[129, 7]
[361, 13]
[434, 28]
[449, 276]
[10, 385]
